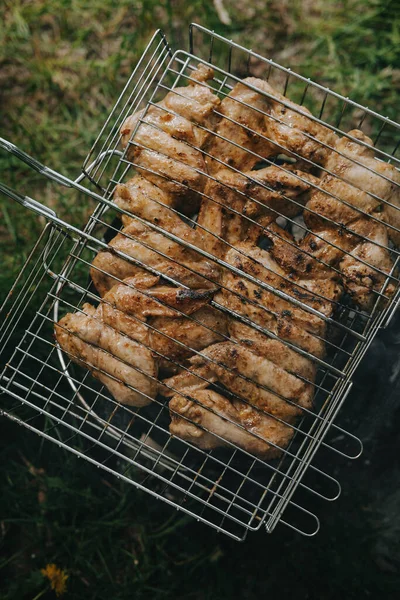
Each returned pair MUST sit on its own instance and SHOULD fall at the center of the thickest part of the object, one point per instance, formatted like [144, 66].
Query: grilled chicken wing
[116, 344]
[240, 139]
[280, 316]
[261, 381]
[345, 214]
[142, 198]
[258, 122]
[131, 297]
[276, 191]
[123, 365]
[294, 130]
[178, 338]
[364, 268]
[170, 334]
[363, 176]
[272, 191]
[164, 142]
[210, 420]
[147, 248]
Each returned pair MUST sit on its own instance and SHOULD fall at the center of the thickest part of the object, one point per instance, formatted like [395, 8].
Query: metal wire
[231, 489]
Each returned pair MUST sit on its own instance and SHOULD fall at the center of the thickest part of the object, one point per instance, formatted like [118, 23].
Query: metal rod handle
[33, 163]
[28, 202]
[50, 174]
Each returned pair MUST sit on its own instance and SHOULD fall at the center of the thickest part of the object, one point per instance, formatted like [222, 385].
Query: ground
[62, 65]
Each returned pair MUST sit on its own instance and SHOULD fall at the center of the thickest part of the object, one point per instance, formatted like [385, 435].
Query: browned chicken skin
[336, 217]
[185, 336]
[113, 340]
[164, 141]
[256, 122]
[209, 420]
[239, 135]
[123, 365]
[269, 191]
[118, 343]
[142, 198]
[155, 250]
[319, 294]
[242, 372]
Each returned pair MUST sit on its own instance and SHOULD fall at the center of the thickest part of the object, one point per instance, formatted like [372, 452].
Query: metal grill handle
[52, 175]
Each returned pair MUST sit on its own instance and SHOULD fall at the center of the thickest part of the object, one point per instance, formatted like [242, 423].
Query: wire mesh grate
[228, 488]
[234, 486]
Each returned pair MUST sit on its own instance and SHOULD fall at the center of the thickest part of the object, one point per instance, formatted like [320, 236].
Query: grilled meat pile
[230, 324]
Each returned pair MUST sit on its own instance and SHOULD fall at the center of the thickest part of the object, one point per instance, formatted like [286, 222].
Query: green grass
[117, 543]
[62, 66]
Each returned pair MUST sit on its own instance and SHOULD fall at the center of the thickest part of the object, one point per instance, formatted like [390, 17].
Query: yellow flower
[57, 578]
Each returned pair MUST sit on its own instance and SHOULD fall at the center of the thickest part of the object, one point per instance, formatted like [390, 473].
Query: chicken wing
[341, 212]
[260, 124]
[123, 365]
[116, 344]
[140, 197]
[151, 249]
[178, 338]
[171, 335]
[364, 175]
[265, 308]
[272, 191]
[364, 268]
[245, 374]
[239, 139]
[143, 199]
[164, 141]
[210, 420]
[294, 130]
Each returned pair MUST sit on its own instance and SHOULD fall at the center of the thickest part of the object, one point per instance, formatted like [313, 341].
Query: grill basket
[229, 489]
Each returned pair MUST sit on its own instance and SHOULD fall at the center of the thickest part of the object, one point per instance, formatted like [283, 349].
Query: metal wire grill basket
[230, 488]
